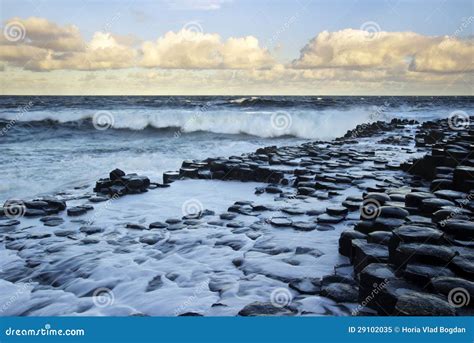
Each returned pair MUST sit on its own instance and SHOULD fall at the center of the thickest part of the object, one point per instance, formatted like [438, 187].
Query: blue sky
[287, 29]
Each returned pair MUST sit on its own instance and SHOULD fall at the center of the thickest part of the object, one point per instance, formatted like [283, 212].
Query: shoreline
[394, 215]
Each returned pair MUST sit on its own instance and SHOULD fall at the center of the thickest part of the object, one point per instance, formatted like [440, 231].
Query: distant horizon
[239, 95]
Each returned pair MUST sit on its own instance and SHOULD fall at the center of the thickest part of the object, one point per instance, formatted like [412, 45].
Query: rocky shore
[393, 200]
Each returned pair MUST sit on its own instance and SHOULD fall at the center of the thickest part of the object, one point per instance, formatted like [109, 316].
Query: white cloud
[396, 51]
[187, 49]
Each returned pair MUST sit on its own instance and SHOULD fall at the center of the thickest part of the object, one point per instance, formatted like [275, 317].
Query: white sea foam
[302, 123]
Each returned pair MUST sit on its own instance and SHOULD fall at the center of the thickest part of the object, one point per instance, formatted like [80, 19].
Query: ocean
[51, 143]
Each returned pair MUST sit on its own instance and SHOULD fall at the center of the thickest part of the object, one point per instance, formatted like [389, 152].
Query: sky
[236, 47]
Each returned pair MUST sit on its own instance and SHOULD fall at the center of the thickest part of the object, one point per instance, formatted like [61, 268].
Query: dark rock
[379, 237]
[345, 241]
[463, 266]
[306, 286]
[364, 253]
[170, 176]
[116, 174]
[393, 212]
[432, 205]
[337, 211]
[9, 223]
[281, 221]
[158, 225]
[96, 199]
[460, 229]
[415, 199]
[135, 226]
[76, 211]
[154, 284]
[303, 226]
[340, 292]
[266, 309]
[325, 227]
[326, 218]
[421, 253]
[150, 239]
[414, 234]
[90, 230]
[423, 304]
[460, 292]
[421, 274]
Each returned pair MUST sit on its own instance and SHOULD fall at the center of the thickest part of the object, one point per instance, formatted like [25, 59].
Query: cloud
[44, 34]
[396, 51]
[39, 45]
[188, 49]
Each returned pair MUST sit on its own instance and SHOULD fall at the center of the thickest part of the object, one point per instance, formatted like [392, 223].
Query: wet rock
[293, 211]
[329, 219]
[150, 239]
[380, 198]
[158, 225]
[266, 309]
[337, 211]
[8, 223]
[280, 221]
[340, 292]
[235, 224]
[38, 235]
[325, 227]
[364, 253]
[116, 174]
[460, 229]
[462, 291]
[309, 251]
[423, 304]
[253, 235]
[415, 199]
[463, 178]
[97, 199]
[432, 205]
[421, 253]
[170, 176]
[415, 234]
[379, 237]
[345, 241]
[463, 266]
[64, 233]
[173, 221]
[273, 189]
[421, 274]
[234, 244]
[76, 211]
[33, 212]
[303, 226]
[53, 221]
[90, 230]
[305, 190]
[306, 286]
[135, 226]
[238, 262]
[373, 279]
[393, 212]
[88, 241]
[154, 284]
